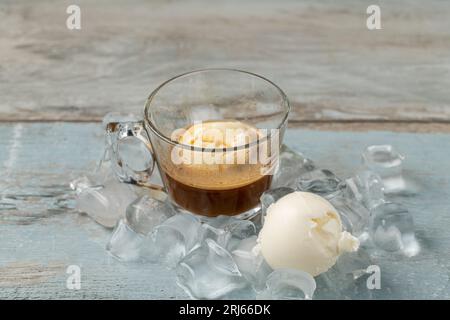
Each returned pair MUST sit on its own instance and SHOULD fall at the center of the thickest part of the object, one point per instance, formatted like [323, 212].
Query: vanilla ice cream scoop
[219, 134]
[304, 231]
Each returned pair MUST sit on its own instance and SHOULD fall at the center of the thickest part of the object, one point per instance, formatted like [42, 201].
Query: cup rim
[208, 149]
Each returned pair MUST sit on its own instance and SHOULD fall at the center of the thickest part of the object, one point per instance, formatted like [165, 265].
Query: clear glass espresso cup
[215, 135]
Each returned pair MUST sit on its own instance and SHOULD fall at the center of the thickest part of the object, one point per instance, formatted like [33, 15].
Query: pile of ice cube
[220, 257]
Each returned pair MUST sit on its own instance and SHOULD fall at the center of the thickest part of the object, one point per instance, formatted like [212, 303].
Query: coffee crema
[219, 184]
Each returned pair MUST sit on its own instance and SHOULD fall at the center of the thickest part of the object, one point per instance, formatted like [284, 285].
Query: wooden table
[349, 87]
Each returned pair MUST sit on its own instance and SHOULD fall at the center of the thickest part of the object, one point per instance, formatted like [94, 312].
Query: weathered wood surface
[321, 53]
[339, 77]
[40, 234]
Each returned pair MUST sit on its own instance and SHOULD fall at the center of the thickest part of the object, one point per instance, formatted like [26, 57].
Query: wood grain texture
[320, 53]
[41, 234]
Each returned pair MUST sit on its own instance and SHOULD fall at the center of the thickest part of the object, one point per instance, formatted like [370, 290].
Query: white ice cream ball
[304, 231]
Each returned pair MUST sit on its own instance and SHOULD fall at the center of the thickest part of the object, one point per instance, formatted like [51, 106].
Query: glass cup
[214, 135]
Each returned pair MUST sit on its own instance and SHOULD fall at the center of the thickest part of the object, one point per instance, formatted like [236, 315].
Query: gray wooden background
[320, 52]
[349, 87]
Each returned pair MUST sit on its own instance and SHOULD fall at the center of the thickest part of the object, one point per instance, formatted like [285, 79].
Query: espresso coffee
[216, 183]
[214, 202]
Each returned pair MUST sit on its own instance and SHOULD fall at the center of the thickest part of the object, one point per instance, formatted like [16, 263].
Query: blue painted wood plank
[41, 235]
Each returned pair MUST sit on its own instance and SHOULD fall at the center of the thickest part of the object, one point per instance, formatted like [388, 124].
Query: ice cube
[173, 239]
[125, 244]
[387, 163]
[145, 213]
[105, 203]
[209, 272]
[354, 263]
[271, 196]
[392, 230]
[290, 165]
[366, 187]
[335, 284]
[103, 172]
[251, 263]
[289, 284]
[227, 231]
[364, 239]
[347, 279]
[246, 293]
[322, 182]
[82, 183]
[355, 217]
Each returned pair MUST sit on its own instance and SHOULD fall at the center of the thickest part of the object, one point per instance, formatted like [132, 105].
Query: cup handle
[118, 133]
